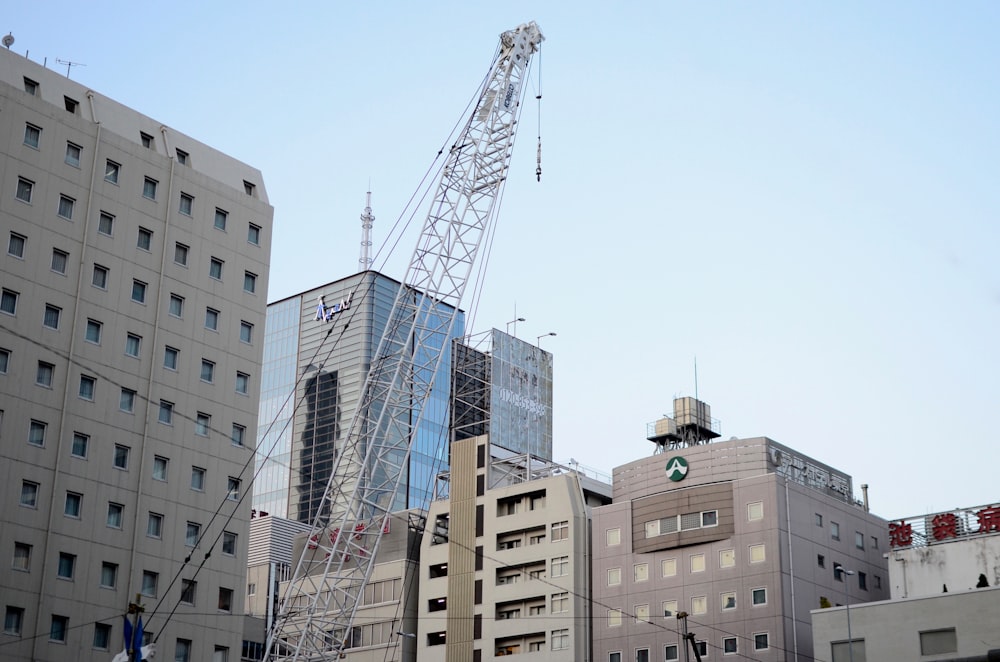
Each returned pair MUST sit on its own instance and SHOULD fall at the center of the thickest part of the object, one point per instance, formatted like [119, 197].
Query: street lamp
[847, 604]
[544, 335]
[514, 322]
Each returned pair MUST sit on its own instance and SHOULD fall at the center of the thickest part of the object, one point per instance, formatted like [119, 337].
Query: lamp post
[514, 322]
[538, 341]
[847, 604]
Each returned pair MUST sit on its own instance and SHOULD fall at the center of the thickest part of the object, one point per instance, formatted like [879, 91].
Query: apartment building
[133, 281]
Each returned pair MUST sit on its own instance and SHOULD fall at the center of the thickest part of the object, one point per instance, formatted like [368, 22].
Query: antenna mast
[367, 219]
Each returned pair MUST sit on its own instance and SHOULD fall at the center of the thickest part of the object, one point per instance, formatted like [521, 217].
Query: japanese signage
[941, 527]
[325, 313]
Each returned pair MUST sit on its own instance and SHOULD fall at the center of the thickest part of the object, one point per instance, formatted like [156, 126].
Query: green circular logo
[677, 468]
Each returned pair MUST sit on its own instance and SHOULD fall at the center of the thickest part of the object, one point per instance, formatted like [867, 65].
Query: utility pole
[687, 637]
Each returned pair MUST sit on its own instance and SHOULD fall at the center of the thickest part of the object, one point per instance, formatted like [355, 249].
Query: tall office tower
[131, 334]
[318, 348]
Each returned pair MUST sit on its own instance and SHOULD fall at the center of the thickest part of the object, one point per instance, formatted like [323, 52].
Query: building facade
[131, 333]
[744, 536]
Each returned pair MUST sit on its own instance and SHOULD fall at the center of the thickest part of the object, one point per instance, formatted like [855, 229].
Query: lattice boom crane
[319, 606]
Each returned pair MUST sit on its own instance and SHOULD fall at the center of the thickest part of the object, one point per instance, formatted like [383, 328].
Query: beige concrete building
[133, 281]
[505, 563]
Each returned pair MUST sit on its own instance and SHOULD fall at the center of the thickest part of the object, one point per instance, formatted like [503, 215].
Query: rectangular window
[221, 217]
[36, 433]
[253, 235]
[560, 566]
[760, 642]
[102, 636]
[207, 371]
[4, 360]
[699, 604]
[819, 520]
[197, 479]
[8, 302]
[22, 557]
[821, 560]
[29, 494]
[15, 245]
[249, 282]
[560, 603]
[149, 188]
[181, 254]
[202, 424]
[834, 530]
[239, 432]
[560, 531]
[109, 575]
[149, 581]
[30, 86]
[189, 589]
[133, 345]
[138, 291]
[59, 260]
[32, 135]
[727, 558]
[938, 642]
[176, 305]
[111, 170]
[182, 650]
[668, 567]
[614, 576]
[116, 513]
[106, 224]
[71, 105]
[242, 383]
[66, 205]
[88, 386]
[170, 355]
[613, 537]
[215, 268]
[249, 188]
[670, 653]
[859, 540]
[862, 581]
[641, 655]
[186, 204]
[154, 525]
[560, 640]
[73, 505]
[160, 464]
[51, 318]
[182, 157]
[146, 140]
[73, 154]
[100, 277]
[192, 533]
[246, 332]
[43, 376]
[729, 646]
[58, 628]
[24, 189]
[225, 599]
[755, 511]
[212, 319]
[728, 600]
[697, 563]
[756, 553]
[228, 543]
[640, 572]
[758, 596]
[144, 240]
[120, 460]
[81, 443]
[233, 489]
[166, 415]
[126, 401]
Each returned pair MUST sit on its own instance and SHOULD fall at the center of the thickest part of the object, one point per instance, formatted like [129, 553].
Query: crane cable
[538, 98]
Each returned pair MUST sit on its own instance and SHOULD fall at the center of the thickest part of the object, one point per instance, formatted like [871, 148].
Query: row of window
[671, 652]
[699, 605]
[683, 522]
[696, 563]
[859, 537]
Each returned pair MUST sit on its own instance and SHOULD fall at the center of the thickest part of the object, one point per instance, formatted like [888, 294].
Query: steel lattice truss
[319, 606]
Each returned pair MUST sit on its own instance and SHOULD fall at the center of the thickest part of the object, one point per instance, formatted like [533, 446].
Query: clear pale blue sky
[802, 195]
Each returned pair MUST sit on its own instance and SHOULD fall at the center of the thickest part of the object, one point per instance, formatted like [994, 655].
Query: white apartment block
[134, 276]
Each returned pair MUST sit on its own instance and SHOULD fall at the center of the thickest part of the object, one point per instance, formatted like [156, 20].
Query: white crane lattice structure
[319, 606]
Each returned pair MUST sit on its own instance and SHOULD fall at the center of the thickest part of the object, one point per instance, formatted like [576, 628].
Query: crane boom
[320, 603]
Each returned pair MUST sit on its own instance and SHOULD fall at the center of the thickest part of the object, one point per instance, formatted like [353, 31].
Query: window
[102, 636]
[58, 627]
[239, 433]
[756, 553]
[80, 444]
[182, 650]
[862, 581]
[699, 604]
[93, 332]
[560, 531]
[233, 489]
[242, 383]
[4, 360]
[727, 600]
[189, 589]
[66, 205]
[560, 640]
[207, 371]
[249, 188]
[29, 494]
[253, 235]
[755, 511]
[100, 277]
[758, 596]
[166, 415]
[145, 239]
[116, 512]
[220, 219]
[191, 534]
[15, 245]
[560, 603]
[670, 652]
[146, 140]
[668, 567]
[878, 581]
[614, 576]
[821, 560]
[225, 599]
[615, 656]
[176, 305]
[24, 189]
[181, 254]
[149, 188]
[133, 345]
[13, 620]
[641, 655]
[760, 641]
[36, 433]
[202, 424]
[160, 465]
[111, 170]
[197, 479]
[8, 302]
[106, 224]
[67, 565]
[560, 566]
[729, 646]
[109, 575]
[59, 260]
[859, 540]
[819, 520]
[937, 642]
[51, 318]
[182, 157]
[43, 376]
[640, 572]
[228, 543]
[249, 282]
[73, 154]
[138, 291]
[154, 525]
[30, 86]
[32, 135]
[613, 537]
[22, 557]
[709, 518]
[120, 459]
[246, 332]
[149, 581]
[838, 572]
[71, 104]
[874, 542]
[727, 558]
[212, 319]
[170, 355]
[215, 268]
[834, 530]
[73, 505]
[697, 563]
[88, 385]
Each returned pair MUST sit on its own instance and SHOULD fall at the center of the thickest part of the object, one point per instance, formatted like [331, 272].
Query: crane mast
[319, 606]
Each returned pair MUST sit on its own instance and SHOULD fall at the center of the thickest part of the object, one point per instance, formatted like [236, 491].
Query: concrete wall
[956, 564]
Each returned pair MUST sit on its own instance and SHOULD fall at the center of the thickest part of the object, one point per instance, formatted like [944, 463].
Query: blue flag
[127, 633]
[138, 637]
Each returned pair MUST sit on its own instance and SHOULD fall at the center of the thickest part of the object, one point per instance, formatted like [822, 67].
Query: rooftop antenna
[69, 64]
[8, 41]
[367, 219]
[695, 376]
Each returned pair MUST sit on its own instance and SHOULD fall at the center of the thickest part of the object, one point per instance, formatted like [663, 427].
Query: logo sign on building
[677, 468]
[325, 313]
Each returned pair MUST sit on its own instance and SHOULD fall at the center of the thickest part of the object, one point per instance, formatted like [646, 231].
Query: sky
[800, 198]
